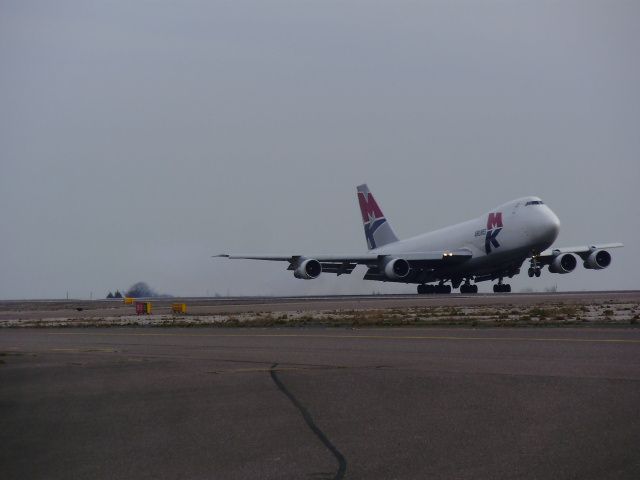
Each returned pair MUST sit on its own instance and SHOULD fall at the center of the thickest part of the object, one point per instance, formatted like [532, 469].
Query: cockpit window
[534, 202]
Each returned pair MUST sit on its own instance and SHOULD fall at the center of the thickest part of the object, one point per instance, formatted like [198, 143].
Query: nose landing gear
[535, 268]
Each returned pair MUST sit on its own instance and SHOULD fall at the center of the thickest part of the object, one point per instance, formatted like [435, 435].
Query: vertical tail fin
[377, 230]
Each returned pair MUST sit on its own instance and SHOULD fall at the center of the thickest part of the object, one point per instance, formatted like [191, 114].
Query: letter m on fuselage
[494, 220]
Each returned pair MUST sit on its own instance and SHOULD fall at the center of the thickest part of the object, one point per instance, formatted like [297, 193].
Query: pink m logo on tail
[368, 207]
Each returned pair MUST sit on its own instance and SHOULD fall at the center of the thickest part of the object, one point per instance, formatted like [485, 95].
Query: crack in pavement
[342, 462]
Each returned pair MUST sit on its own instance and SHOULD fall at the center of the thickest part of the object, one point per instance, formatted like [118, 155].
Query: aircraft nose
[543, 227]
[550, 226]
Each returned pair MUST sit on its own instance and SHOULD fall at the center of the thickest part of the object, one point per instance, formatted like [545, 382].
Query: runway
[320, 403]
[95, 309]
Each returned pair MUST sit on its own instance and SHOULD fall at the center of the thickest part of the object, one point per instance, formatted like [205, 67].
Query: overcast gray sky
[139, 138]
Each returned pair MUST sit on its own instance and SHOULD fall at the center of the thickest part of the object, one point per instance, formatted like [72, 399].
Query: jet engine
[564, 263]
[597, 260]
[308, 269]
[396, 268]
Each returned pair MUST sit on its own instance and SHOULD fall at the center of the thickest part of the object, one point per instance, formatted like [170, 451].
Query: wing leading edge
[345, 264]
[582, 251]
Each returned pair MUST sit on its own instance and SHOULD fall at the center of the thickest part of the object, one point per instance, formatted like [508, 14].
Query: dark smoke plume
[142, 290]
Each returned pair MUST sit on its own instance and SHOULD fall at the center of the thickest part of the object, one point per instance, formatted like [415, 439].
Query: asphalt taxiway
[319, 403]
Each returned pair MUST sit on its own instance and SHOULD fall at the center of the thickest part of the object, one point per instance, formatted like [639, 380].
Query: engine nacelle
[563, 263]
[597, 260]
[308, 269]
[396, 269]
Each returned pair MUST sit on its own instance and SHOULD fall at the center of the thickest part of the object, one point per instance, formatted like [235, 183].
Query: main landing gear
[441, 288]
[501, 287]
[430, 289]
[468, 288]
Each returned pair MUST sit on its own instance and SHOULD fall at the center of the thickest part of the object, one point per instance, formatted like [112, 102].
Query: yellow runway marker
[360, 337]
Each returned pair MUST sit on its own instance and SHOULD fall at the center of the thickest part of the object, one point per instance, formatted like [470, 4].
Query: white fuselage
[526, 226]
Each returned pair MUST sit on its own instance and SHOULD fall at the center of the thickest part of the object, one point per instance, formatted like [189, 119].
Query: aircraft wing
[341, 264]
[358, 258]
[583, 250]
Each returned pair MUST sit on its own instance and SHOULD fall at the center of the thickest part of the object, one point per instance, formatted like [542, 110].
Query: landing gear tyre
[502, 288]
[468, 288]
[538, 272]
[426, 289]
[531, 272]
[443, 289]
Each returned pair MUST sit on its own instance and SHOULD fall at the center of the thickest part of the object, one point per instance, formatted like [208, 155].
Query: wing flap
[275, 258]
[361, 259]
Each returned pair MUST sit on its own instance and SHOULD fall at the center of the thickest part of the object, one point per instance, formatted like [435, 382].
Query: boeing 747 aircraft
[491, 247]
